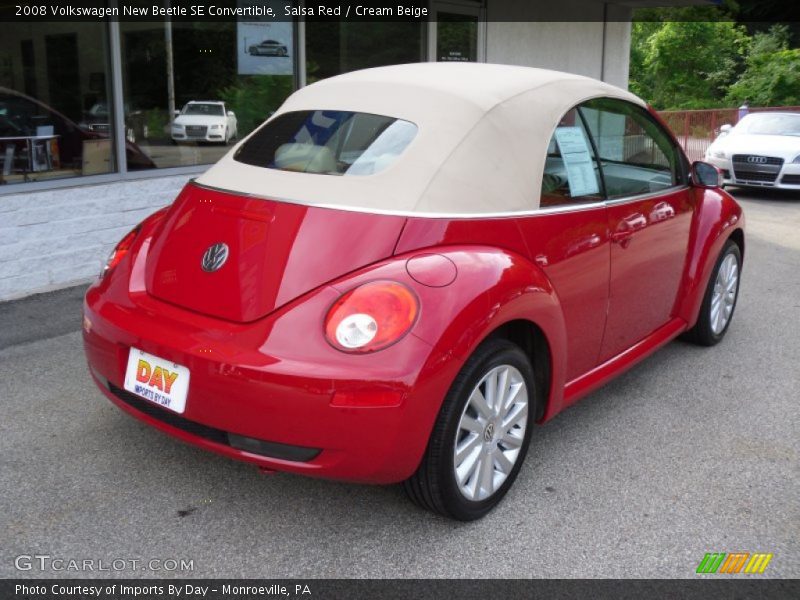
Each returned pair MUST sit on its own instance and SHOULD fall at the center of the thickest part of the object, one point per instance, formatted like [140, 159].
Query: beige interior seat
[306, 158]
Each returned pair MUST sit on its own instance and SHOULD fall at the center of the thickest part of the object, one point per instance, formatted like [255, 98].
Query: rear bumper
[219, 440]
[273, 392]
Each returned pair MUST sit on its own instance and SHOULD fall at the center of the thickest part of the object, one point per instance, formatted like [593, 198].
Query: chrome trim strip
[647, 196]
[410, 213]
[567, 208]
[564, 208]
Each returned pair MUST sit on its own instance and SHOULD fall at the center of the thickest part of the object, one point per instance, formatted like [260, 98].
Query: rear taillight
[118, 253]
[371, 317]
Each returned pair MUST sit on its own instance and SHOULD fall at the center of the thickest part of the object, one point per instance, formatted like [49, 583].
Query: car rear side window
[571, 173]
[328, 142]
[636, 155]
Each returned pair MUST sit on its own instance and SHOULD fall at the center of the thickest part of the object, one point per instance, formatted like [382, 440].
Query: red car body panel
[277, 379]
[283, 250]
[264, 369]
[716, 219]
[648, 254]
[574, 260]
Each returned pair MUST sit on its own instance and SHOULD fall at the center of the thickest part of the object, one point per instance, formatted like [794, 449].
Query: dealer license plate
[160, 381]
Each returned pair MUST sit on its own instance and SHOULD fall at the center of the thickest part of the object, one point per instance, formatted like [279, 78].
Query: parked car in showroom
[762, 150]
[405, 269]
[204, 121]
[268, 48]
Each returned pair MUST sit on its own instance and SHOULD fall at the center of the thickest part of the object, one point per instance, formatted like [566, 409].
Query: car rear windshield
[328, 142]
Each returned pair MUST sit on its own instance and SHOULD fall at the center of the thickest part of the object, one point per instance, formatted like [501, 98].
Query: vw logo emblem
[759, 160]
[214, 257]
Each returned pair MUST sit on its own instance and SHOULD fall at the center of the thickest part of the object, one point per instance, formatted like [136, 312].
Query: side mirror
[176, 113]
[725, 129]
[230, 113]
[706, 175]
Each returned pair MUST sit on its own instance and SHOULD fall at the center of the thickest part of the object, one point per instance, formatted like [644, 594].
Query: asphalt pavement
[695, 450]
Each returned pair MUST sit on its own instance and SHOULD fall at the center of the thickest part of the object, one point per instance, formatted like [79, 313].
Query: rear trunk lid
[276, 251]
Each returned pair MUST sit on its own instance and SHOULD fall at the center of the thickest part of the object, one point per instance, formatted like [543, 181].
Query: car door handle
[627, 227]
[619, 237]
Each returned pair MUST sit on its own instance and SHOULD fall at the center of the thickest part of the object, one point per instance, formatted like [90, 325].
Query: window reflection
[340, 47]
[189, 110]
[54, 102]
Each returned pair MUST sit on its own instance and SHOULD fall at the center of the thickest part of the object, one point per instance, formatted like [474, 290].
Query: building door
[456, 32]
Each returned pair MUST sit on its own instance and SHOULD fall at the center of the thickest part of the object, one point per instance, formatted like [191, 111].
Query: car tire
[454, 487]
[719, 302]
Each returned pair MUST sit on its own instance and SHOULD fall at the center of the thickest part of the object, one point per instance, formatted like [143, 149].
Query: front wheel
[720, 298]
[481, 435]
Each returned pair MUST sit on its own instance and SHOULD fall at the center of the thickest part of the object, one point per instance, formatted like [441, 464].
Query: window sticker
[577, 161]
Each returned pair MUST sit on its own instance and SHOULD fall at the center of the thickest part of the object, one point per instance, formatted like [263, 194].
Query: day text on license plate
[158, 380]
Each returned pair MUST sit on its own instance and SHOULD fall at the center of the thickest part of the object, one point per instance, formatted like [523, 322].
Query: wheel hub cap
[490, 432]
[723, 298]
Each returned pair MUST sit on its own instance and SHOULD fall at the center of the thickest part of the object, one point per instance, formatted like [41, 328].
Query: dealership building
[88, 109]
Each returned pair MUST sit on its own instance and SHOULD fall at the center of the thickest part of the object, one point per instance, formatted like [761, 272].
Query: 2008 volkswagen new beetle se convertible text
[406, 268]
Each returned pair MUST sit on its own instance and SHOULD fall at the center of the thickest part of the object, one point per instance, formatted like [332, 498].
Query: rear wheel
[480, 437]
[720, 299]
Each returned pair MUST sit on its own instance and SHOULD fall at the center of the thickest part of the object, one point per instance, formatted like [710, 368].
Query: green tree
[640, 79]
[689, 64]
[255, 98]
[772, 75]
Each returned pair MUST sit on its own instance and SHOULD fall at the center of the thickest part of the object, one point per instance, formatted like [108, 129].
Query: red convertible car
[406, 268]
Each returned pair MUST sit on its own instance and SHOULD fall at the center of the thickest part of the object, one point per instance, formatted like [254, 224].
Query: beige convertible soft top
[481, 145]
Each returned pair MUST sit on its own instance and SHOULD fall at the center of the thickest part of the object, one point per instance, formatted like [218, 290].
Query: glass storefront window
[54, 103]
[192, 89]
[339, 47]
[189, 89]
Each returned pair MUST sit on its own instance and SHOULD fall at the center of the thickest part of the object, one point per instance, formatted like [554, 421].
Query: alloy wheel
[490, 432]
[723, 298]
